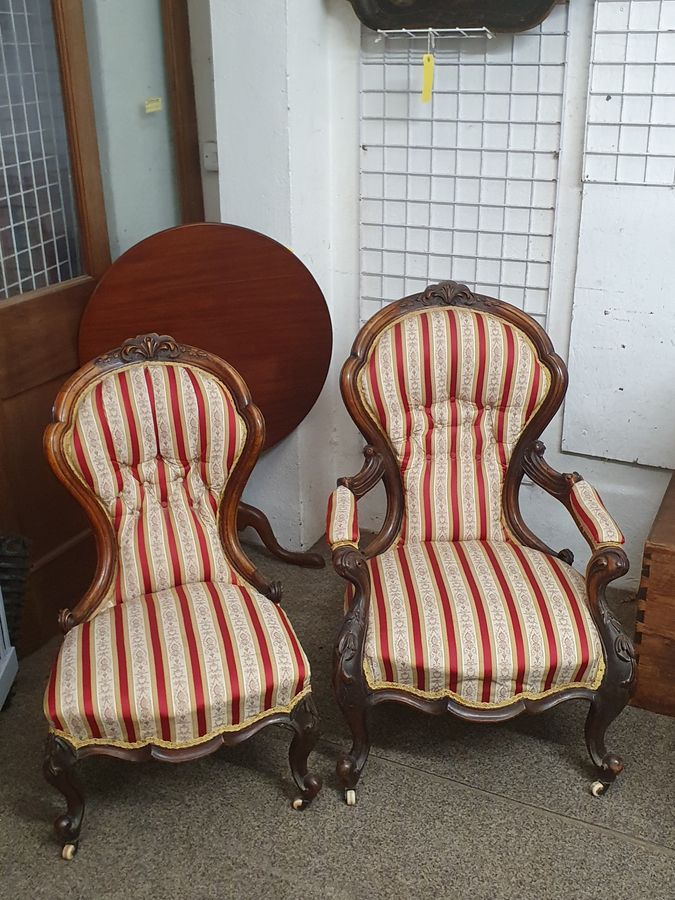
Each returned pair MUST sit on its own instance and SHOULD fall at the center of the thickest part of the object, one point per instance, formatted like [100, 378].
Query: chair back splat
[153, 438]
[452, 382]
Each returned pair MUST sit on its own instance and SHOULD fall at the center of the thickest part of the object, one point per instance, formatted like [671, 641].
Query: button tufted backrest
[453, 388]
[156, 443]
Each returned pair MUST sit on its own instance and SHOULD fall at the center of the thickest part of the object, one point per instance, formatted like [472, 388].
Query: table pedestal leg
[251, 516]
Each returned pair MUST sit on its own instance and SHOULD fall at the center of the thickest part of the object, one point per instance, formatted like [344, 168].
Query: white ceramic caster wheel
[68, 851]
[598, 788]
[350, 797]
[299, 803]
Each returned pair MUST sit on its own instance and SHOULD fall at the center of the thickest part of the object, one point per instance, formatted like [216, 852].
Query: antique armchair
[179, 646]
[455, 605]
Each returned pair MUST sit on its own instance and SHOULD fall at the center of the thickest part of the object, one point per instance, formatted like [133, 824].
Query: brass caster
[68, 851]
[598, 788]
[350, 797]
[299, 803]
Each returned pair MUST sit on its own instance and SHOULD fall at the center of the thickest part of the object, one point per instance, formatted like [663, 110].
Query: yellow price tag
[153, 104]
[428, 63]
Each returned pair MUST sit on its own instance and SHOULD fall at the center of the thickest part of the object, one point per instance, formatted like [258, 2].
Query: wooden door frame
[181, 89]
[38, 350]
[23, 316]
[39, 329]
[78, 102]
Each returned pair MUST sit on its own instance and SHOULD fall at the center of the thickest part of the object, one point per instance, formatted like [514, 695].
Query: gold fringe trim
[603, 544]
[475, 704]
[171, 745]
[344, 544]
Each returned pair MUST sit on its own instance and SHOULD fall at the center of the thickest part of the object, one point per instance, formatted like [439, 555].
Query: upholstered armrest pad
[592, 517]
[342, 525]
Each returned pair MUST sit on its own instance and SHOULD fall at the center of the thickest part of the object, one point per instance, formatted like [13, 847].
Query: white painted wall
[286, 102]
[632, 493]
[288, 141]
[126, 57]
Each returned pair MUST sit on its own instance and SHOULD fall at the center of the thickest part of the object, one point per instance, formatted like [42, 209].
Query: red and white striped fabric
[182, 649]
[482, 622]
[342, 525]
[453, 389]
[176, 668]
[156, 444]
[592, 517]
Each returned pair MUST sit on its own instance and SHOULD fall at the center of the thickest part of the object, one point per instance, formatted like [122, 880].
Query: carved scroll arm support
[351, 565]
[555, 483]
[371, 473]
[606, 565]
[577, 496]
[535, 466]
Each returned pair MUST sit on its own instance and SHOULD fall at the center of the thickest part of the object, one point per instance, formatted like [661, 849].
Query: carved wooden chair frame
[61, 756]
[607, 563]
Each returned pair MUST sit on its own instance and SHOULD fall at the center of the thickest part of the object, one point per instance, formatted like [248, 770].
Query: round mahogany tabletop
[228, 290]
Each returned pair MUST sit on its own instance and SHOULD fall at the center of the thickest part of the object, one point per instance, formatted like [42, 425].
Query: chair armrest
[342, 525]
[579, 497]
[591, 516]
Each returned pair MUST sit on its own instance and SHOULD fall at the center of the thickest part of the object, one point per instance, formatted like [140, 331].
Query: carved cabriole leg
[252, 517]
[59, 761]
[349, 682]
[617, 685]
[350, 765]
[305, 721]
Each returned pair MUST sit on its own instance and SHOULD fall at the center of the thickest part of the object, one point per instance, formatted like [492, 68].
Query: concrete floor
[445, 809]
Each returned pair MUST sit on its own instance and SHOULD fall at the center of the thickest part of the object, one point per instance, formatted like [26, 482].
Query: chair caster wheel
[598, 788]
[350, 797]
[299, 803]
[68, 851]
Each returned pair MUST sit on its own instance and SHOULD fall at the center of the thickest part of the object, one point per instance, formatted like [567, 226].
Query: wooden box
[655, 638]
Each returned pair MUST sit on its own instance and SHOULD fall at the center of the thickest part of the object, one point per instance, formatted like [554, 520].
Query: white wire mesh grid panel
[38, 231]
[463, 187]
[630, 133]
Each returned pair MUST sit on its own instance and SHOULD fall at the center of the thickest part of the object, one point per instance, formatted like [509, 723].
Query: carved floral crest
[147, 347]
[447, 293]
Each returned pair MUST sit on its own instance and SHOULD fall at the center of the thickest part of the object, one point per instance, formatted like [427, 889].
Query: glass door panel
[39, 241]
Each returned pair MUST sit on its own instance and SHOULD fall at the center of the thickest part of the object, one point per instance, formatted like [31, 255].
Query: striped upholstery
[483, 622]
[175, 668]
[592, 517]
[453, 389]
[342, 525]
[156, 443]
[182, 648]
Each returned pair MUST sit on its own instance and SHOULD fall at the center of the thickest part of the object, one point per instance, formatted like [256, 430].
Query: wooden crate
[655, 639]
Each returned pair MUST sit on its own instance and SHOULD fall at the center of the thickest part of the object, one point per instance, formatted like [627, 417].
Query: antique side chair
[179, 646]
[455, 605]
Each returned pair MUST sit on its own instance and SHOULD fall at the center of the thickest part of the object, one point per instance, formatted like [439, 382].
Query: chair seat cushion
[175, 668]
[481, 622]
